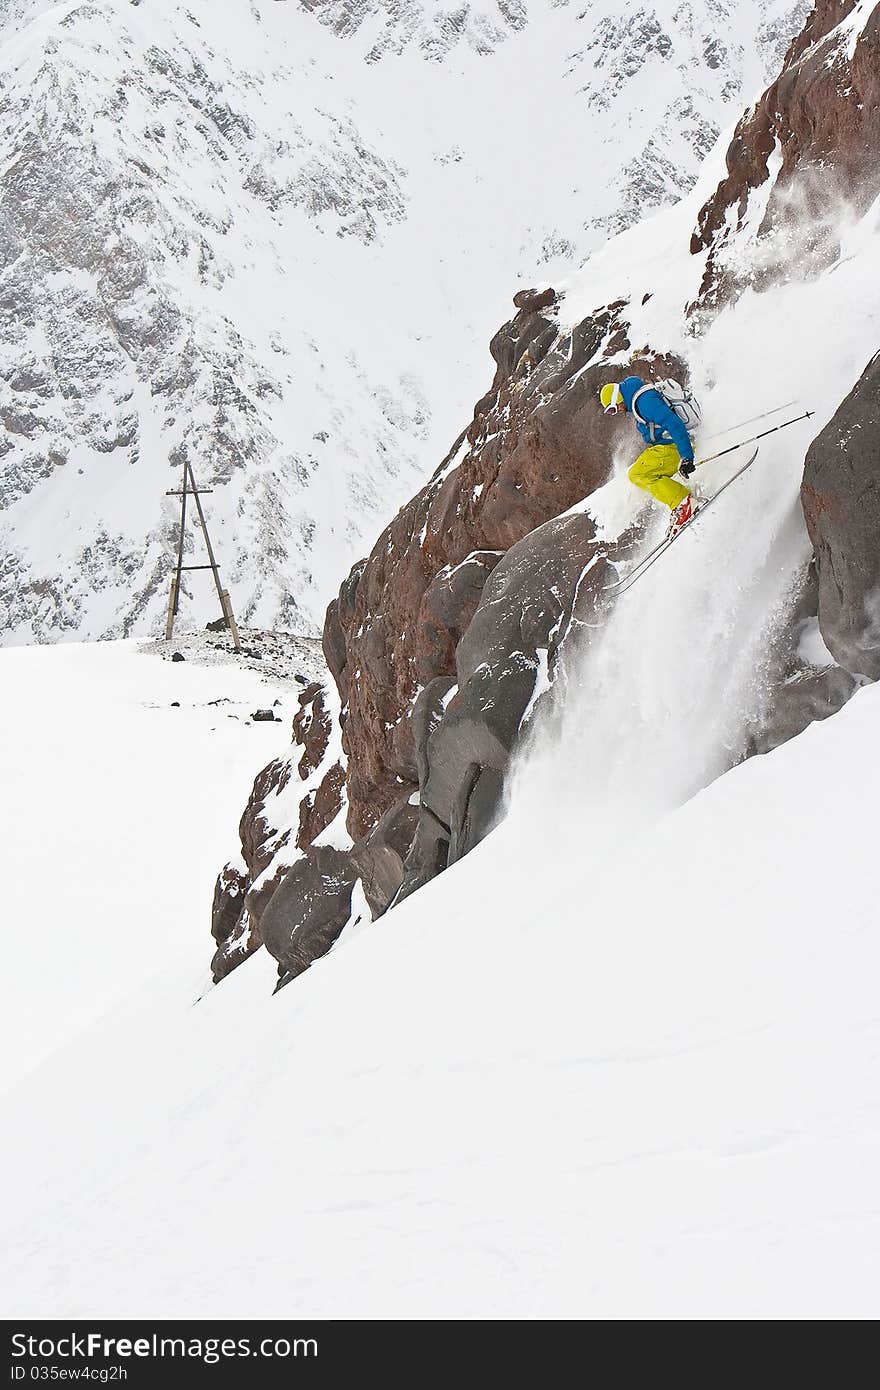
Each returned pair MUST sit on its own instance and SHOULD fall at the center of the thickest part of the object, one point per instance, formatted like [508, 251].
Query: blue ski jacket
[668, 428]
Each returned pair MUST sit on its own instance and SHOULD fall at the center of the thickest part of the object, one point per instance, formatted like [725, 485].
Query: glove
[686, 469]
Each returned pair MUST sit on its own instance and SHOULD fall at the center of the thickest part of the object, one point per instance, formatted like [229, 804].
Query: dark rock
[427, 712]
[312, 728]
[478, 810]
[526, 610]
[799, 691]
[340, 616]
[822, 115]
[841, 501]
[545, 584]
[261, 841]
[428, 856]
[178, 656]
[218, 625]
[538, 443]
[479, 730]
[447, 607]
[320, 807]
[380, 858]
[799, 702]
[264, 716]
[175, 704]
[533, 301]
[309, 908]
[268, 847]
[229, 926]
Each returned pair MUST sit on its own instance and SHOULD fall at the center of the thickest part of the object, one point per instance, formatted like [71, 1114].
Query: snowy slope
[274, 238]
[620, 1099]
[102, 791]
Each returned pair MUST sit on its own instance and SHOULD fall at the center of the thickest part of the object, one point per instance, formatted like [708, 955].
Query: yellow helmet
[610, 395]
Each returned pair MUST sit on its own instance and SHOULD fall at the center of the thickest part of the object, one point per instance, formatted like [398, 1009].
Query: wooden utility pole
[190, 489]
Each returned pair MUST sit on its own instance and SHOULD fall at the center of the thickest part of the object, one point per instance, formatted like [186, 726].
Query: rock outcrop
[546, 581]
[439, 644]
[537, 445]
[294, 801]
[309, 908]
[804, 684]
[841, 501]
[821, 121]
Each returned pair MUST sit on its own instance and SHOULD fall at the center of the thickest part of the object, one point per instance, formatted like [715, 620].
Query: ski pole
[755, 437]
[753, 419]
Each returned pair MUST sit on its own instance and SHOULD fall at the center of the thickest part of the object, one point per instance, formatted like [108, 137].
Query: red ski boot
[683, 513]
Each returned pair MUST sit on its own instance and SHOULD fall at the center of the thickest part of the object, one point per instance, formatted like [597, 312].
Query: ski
[636, 570]
[654, 555]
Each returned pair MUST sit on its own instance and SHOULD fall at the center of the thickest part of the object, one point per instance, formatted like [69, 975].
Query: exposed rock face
[807, 696]
[447, 607]
[537, 444]
[294, 800]
[548, 578]
[230, 926]
[309, 907]
[841, 500]
[804, 686]
[380, 858]
[822, 119]
[440, 642]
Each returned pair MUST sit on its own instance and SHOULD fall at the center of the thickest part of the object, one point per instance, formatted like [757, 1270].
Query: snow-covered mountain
[268, 238]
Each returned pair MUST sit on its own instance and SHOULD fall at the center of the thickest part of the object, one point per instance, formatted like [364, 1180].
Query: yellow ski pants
[653, 471]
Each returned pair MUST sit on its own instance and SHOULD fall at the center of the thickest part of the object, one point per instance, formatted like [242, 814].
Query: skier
[669, 446]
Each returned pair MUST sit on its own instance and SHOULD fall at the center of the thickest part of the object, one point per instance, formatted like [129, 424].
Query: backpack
[679, 399]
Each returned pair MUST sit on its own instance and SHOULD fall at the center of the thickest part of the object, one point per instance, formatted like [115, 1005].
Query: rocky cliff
[448, 637]
[841, 497]
[810, 143]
